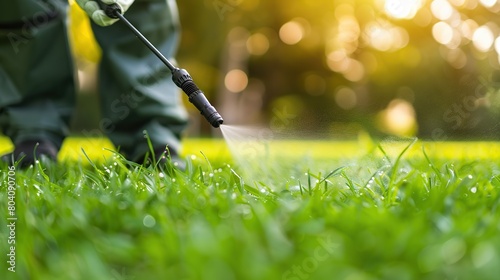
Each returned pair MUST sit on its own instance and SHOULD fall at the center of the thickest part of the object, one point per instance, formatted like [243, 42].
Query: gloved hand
[92, 8]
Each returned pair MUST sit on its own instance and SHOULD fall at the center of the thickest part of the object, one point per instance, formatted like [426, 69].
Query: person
[37, 84]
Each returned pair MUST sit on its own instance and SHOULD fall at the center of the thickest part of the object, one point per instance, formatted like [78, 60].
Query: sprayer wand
[180, 76]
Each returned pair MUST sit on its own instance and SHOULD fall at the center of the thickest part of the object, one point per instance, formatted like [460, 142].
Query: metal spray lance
[180, 76]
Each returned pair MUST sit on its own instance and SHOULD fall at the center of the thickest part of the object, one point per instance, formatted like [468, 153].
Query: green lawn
[291, 210]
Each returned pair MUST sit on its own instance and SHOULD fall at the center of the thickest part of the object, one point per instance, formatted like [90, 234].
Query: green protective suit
[37, 77]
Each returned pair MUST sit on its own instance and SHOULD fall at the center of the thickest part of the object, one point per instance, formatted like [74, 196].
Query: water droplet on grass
[149, 221]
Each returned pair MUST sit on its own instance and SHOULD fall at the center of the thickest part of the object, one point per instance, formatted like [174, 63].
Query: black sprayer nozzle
[180, 76]
[183, 80]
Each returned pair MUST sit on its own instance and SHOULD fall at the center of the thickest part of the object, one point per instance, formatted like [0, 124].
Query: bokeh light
[314, 84]
[291, 32]
[467, 28]
[236, 80]
[483, 38]
[402, 9]
[497, 45]
[398, 118]
[456, 58]
[257, 44]
[442, 32]
[384, 36]
[488, 3]
[346, 98]
[442, 9]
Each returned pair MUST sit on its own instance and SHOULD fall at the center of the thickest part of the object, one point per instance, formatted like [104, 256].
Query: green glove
[98, 15]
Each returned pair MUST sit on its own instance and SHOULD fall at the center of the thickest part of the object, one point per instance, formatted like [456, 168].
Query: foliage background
[417, 67]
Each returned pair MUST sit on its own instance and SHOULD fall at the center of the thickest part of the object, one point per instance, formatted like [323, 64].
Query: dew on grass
[370, 182]
[161, 175]
[473, 190]
[149, 221]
